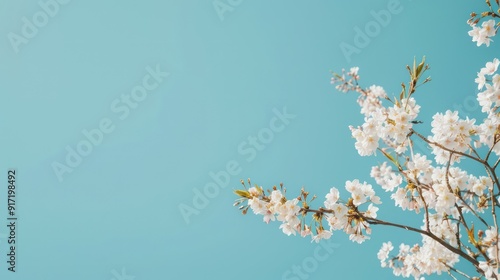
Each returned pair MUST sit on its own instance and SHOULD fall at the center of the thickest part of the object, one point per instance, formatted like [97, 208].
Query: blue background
[119, 208]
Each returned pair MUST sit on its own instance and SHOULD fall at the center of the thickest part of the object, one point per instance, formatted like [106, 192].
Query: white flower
[353, 72]
[474, 33]
[496, 81]
[306, 231]
[479, 185]
[483, 35]
[370, 193]
[358, 197]
[493, 252]
[400, 199]
[383, 253]
[276, 196]
[491, 67]
[489, 271]
[451, 132]
[322, 234]
[254, 191]
[361, 192]
[366, 143]
[385, 177]
[339, 210]
[377, 91]
[488, 28]
[372, 211]
[491, 235]
[445, 201]
[269, 216]
[288, 210]
[337, 221]
[331, 198]
[287, 229]
[258, 206]
[480, 80]
[359, 238]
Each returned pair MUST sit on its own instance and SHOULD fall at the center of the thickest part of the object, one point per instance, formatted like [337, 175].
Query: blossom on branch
[458, 209]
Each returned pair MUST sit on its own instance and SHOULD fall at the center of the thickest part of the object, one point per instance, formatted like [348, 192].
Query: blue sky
[198, 85]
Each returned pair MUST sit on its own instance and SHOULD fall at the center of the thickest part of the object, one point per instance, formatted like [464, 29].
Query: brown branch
[373, 221]
[483, 162]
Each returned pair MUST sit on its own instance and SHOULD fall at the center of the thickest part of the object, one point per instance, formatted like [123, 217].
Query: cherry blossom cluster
[383, 124]
[458, 209]
[448, 196]
[335, 215]
[417, 260]
[432, 258]
[441, 188]
[488, 29]
[483, 34]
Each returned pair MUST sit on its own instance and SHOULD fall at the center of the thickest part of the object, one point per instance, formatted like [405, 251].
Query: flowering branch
[483, 34]
[428, 233]
[373, 221]
[451, 198]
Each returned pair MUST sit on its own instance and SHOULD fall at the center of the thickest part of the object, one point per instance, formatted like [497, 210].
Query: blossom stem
[457, 271]
[374, 221]
[483, 162]
[496, 164]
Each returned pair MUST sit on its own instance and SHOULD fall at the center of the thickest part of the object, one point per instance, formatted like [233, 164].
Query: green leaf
[470, 234]
[414, 68]
[391, 158]
[243, 193]
[420, 67]
[403, 92]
